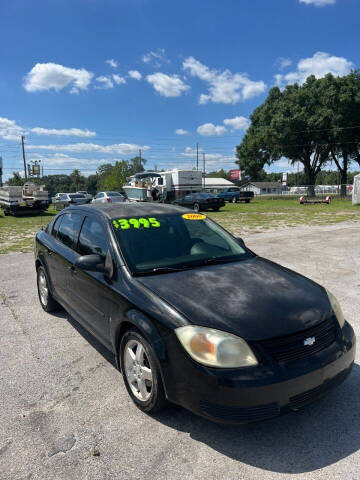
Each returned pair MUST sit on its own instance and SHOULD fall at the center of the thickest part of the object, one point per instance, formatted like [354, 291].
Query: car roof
[129, 209]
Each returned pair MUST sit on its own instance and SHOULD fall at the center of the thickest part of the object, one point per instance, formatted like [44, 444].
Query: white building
[263, 188]
[214, 185]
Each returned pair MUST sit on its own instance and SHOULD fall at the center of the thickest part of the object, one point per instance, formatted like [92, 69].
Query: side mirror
[91, 263]
[96, 263]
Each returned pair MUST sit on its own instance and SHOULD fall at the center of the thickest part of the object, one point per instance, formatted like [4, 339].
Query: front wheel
[233, 200]
[141, 373]
[46, 299]
[196, 207]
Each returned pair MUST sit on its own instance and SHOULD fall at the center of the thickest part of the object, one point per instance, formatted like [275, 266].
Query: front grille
[291, 347]
[240, 414]
[299, 401]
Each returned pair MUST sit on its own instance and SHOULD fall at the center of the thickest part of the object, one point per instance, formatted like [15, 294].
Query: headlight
[335, 305]
[215, 348]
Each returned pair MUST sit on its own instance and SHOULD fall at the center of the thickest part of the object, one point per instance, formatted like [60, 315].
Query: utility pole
[23, 152]
[197, 156]
[140, 155]
[204, 171]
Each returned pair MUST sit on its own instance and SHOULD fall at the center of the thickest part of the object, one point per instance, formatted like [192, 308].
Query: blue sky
[90, 81]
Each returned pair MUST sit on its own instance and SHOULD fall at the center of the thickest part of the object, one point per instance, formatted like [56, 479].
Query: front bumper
[257, 393]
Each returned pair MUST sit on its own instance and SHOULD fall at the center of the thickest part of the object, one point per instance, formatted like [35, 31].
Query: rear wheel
[46, 299]
[141, 373]
[247, 201]
[233, 200]
[196, 207]
[216, 209]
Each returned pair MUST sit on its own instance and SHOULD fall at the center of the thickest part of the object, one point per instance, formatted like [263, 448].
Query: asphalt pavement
[65, 413]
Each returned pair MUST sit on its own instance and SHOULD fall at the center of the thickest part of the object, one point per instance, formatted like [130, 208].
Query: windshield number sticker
[193, 216]
[126, 223]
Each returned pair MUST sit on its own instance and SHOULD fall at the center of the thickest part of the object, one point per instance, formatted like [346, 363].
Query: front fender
[146, 327]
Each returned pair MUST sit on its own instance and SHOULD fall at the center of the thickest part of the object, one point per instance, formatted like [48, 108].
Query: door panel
[91, 291]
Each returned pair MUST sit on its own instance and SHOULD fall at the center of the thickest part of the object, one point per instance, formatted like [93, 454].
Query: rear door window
[93, 238]
[69, 228]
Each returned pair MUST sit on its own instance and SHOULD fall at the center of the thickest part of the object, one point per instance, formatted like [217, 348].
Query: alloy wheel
[43, 288]
[137, 370]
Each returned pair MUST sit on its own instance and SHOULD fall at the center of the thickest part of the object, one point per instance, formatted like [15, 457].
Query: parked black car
[200, 202]
[191, 315]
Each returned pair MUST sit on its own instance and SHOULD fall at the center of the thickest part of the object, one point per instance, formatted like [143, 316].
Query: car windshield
[174, 241]
[76, 195]
[113, 194]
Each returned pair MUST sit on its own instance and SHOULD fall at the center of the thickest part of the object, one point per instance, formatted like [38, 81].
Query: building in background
[214, 185]
[263, 188]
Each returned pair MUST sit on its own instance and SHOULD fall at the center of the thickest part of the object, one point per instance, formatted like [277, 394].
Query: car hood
[255, 298]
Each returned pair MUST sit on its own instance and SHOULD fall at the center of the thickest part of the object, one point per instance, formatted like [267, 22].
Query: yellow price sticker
[193, 216]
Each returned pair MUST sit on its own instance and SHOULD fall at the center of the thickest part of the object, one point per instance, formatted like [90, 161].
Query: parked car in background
[234, 194]
[88, 196]
[200, 201]
[62, 200]
[108, 197]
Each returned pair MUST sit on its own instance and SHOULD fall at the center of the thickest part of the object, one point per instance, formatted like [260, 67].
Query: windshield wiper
[212, 261]
[160, 270]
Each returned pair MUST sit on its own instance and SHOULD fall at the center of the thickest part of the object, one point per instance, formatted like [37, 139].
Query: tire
[141, 366]
[46, 299]
[196, 207]
[233, 200]
[247, 201]
[216, 209]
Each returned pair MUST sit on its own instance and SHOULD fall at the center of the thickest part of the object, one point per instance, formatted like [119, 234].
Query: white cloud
[61, 159]
[158, 57]
[318, 3]
[66, 132]
[283, 62]
[45, 76]
[319, 65]
[167, 85]
[118, 79]
[9, 130]
[237, 123]
[135, 74]
[105, 82]
[211, 130]
[118, 148]
[181, 131]
[113, 63]
[224, 87]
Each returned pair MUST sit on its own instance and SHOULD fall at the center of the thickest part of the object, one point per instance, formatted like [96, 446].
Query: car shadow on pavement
[317, 436]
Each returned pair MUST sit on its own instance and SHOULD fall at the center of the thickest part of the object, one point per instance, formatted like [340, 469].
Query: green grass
[17, 233]
[265, 214]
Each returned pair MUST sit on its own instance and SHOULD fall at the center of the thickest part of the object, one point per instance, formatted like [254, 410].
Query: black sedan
[191, 315]
[200, 202]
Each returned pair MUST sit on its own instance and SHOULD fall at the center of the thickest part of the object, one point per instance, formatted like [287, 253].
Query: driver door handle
[72, 270]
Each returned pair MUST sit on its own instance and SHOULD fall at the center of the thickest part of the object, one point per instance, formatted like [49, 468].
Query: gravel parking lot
[65, 413]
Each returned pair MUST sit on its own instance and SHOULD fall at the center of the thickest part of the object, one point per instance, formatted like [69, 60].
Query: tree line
[108, 177]
[314, 124]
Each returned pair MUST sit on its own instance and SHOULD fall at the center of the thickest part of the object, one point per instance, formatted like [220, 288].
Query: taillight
[108, 200]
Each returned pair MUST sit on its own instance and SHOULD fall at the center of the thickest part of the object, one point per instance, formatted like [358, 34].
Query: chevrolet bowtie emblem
[309, 341]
